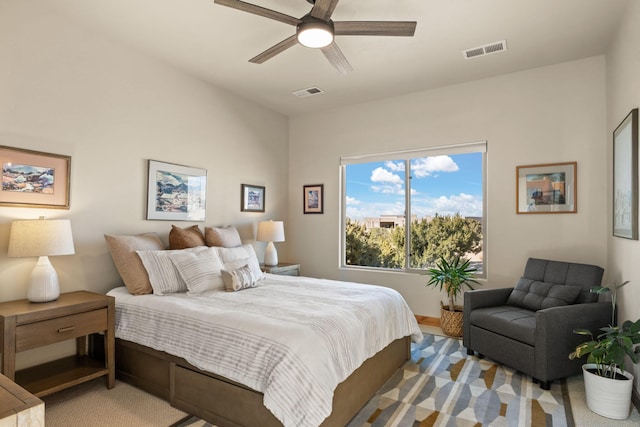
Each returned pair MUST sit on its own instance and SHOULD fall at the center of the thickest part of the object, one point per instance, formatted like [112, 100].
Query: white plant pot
[608, 397]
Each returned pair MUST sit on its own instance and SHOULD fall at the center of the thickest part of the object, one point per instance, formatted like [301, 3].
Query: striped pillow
[200, 270]
[234, 258]
[163, 276]
[238, 279]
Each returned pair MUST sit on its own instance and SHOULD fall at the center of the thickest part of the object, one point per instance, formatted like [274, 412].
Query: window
[433, 199]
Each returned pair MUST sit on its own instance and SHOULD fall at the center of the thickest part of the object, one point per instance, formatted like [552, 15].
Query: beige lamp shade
[270, 231]
[41, 238]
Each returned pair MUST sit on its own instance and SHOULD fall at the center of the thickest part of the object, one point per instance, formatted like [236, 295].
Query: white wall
[544, 115]
[65, 89]
[623, 94]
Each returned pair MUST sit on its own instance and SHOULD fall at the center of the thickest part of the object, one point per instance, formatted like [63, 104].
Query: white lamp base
[43, 286]
[270, 255]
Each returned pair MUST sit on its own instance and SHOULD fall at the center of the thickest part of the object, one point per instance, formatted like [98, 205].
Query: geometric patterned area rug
[442, 386]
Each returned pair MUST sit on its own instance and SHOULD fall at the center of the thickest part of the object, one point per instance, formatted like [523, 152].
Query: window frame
[408, 155]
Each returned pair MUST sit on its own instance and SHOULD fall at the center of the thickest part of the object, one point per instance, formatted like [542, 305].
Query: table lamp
[41, 238]
[270, 231]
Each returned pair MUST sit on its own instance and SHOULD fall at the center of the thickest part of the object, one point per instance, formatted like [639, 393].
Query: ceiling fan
[317, 30]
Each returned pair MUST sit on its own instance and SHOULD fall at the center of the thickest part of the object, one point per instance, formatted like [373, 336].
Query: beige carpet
[92, 405]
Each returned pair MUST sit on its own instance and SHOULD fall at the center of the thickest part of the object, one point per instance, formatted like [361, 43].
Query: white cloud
[464, 204]
[352, 201]
[383, 175]
[428, 166]
[394, 166]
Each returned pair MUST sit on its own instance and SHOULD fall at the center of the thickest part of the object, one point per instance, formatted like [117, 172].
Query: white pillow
[234, 258]
[163, 276]
[200, 270]
[238, 279]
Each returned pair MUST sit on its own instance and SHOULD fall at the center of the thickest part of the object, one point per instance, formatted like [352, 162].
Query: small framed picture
[176, 192]
[313, 199]
[34, 179]
[548, 188]
[252, 198]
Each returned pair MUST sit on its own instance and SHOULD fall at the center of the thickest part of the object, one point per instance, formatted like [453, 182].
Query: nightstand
[25, 325]
[283, 269]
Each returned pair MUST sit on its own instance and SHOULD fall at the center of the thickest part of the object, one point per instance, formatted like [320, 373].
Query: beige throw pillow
[238, 279]
[123, 252]
[227, 237]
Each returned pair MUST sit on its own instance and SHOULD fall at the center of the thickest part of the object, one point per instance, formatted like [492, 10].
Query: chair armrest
[554, 338]
[480, 298]
[485, 298]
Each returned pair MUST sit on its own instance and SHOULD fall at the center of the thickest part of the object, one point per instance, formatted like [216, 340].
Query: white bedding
[292, 338]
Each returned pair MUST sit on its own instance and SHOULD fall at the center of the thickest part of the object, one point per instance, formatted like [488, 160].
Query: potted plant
[451, 277]
[608, 385]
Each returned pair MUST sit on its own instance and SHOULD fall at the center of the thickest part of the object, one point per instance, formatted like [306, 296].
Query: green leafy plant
[607, 350]
[451, 277]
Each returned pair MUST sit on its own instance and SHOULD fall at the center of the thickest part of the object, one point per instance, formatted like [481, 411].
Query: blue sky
[440, 184]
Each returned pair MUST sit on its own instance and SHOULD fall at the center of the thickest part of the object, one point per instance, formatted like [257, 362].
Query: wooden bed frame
[228, 404]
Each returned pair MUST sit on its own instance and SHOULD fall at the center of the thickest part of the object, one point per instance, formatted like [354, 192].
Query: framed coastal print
[176, 192]
[547, 188]
[34, 179]
[252, 198]
[313, 199]
[625, 177]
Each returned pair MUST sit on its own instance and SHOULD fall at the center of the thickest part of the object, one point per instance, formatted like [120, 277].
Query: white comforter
[292, 338]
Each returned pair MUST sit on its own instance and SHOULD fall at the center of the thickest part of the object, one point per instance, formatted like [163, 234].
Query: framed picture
[548, 188]
[176, 192]
[252, 198]
[625, 177]
[34, 179]
[313, 199]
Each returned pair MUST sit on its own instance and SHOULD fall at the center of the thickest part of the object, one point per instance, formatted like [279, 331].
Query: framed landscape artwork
[546, 188]
[313, 199]
[625, 177]
[252, 198]
[34, 179]
[176, 192]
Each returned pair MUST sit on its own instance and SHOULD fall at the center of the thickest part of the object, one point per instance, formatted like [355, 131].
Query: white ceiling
[215, 43]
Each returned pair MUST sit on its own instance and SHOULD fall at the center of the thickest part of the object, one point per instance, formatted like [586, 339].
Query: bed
[292, 351]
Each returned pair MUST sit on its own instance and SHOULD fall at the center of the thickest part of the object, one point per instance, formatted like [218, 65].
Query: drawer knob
[67, 329]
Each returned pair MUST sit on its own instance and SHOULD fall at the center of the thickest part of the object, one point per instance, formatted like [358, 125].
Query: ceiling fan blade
[274, 50]
[337, 58]
[323, 9]
[260, 11]
[375, 28]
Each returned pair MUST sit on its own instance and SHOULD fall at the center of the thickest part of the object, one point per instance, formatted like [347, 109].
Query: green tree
[451, 236]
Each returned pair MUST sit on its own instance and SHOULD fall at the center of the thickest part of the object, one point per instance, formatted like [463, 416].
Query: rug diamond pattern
[442, 386]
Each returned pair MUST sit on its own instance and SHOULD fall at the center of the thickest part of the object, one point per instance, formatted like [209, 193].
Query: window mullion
[407, 214]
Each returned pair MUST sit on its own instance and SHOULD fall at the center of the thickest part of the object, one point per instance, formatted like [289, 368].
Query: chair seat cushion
[512, 322]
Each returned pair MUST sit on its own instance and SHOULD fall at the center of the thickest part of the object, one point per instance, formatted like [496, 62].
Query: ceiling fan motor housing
[314, 33]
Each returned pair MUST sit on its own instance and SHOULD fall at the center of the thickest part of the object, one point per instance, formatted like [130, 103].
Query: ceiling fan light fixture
[314, 33]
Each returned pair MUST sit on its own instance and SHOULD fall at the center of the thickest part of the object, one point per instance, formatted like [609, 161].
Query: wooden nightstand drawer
[60, 329]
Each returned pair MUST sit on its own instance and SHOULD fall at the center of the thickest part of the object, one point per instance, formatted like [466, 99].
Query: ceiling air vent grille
[310, 91]
[485, 50]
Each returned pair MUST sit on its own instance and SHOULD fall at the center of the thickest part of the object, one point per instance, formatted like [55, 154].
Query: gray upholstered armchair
[530, 327]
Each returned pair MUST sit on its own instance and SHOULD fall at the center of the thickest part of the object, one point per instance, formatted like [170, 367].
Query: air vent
[310, 91]
[485, 50]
